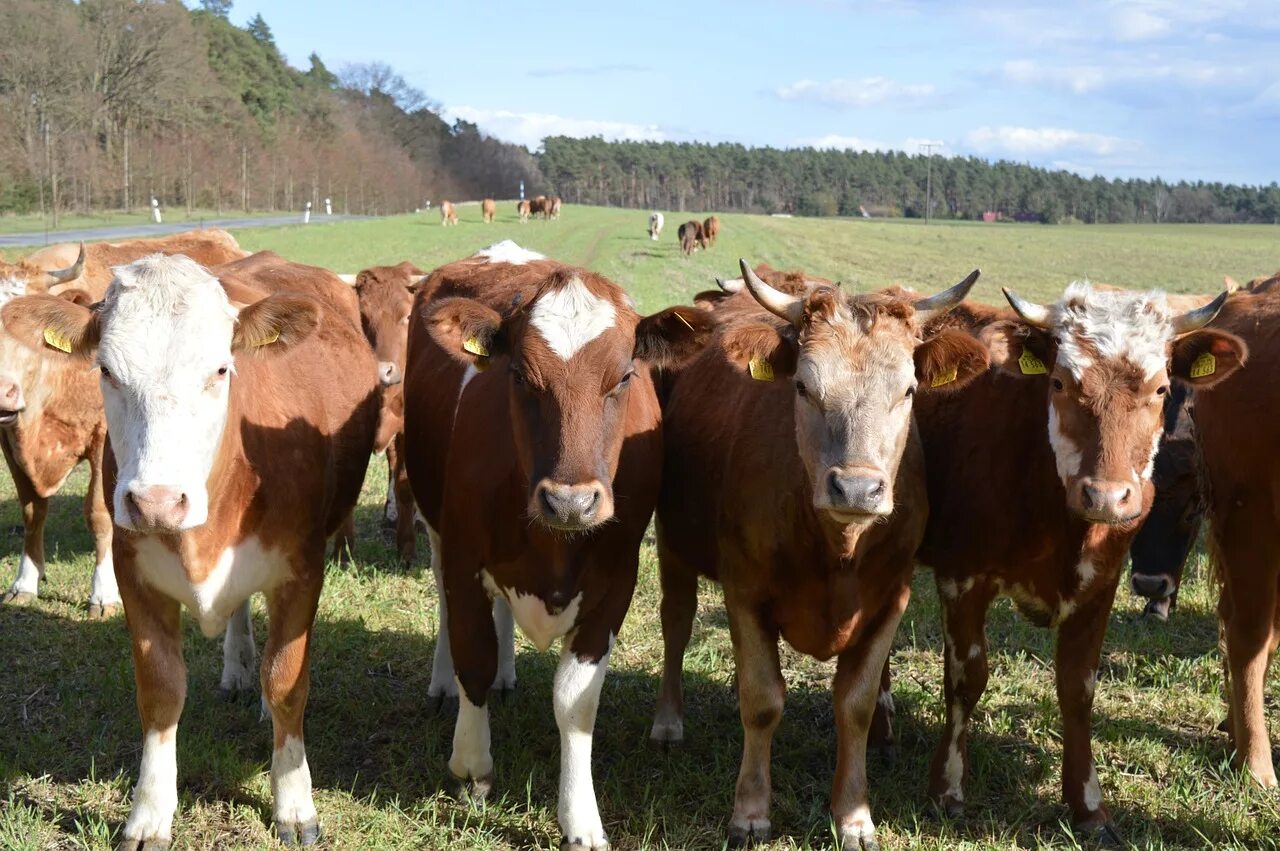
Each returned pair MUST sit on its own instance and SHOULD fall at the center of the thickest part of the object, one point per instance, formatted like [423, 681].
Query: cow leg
[104, 597]
[859, 677]
[238, 652]
[881, 736]
[679, 606]
[286, 679]
[344, 540]
[161, 679]
[761, 693]
[1076, 669]
[400, 496]
[443, 683]
[26, 585]
[576, 696]
[505, 624]
[390, 508]
[964, 622]
[474, 641]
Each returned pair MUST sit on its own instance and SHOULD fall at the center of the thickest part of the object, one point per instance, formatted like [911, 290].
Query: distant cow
[655, 225]
[51, 415]
[528, 392]
[553, 207]
[523, 210]
[241, 420]
[710, 230]
[488, 210]
[538, 206]
[448, 215]
[794, 476]
[691, 237]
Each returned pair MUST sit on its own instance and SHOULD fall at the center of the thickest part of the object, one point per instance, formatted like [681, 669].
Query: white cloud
[863, 92]
[1143, 76]
[836, 142]
[530, 128]
[1041, 141]
[1139, 25]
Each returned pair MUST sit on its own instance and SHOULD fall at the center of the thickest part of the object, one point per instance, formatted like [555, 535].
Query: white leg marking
[471, 759]
[953, 771]
[291, 784]
[239, 651]
[506, 629]
[1092, 791]
[28, 579]
[155, 798]
[104, 591]
[576, 694]
[443, 683]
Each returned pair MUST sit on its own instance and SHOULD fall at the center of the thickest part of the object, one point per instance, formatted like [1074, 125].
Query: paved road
[128, 231]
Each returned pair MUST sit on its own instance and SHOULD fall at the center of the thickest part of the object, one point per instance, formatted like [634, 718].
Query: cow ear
[52, 324]
[709, 299]
[949, 361]
[275, 324]
[762, 350]
[467, 330]
[1019, 349]
[75, 295]
[1205, 357]
[673, 337]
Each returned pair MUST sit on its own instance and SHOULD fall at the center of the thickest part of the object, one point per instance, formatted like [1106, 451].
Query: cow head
[570, 354]
[165, 338]
[1106, 358]
[386, 300]
[856, 362]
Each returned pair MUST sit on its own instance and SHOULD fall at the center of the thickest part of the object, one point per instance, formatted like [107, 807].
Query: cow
[538, 206]
[386, 300]
[488, 210]
[553, 207]
[691, 237]
[793, 475]
[236, 447]
[1039, 475]
[448, 214]
[524, 209]
[528, 392]
[655, 225]
[1237, 429]
[51, 415]
[710, 230]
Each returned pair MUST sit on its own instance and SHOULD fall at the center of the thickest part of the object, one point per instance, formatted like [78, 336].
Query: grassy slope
[378, 753]
[34, 223]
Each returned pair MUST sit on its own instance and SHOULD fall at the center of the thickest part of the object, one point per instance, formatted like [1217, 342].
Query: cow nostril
[1124, 497]
[1086, 496]
[877, 490]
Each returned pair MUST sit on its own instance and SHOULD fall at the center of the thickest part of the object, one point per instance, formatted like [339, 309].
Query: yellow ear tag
[1031, 365]
[268, 340]
[477, 348]
[760, 369]
[944, 377]
[1204, 365]
[59, 341]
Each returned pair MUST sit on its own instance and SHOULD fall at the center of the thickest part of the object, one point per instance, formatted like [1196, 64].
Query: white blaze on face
[1066, 454]
[508, 252]
[570, 317]
[1114, 325]
[166, 331]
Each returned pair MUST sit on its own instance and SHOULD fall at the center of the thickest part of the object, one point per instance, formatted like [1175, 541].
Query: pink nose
[10, 396]
[1109, 502]
[157, 507]
[389, 373]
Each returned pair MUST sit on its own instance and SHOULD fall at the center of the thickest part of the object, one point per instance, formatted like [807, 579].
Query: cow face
[856, 362]
[386, 299]
[1107, 357]
[571, 356]
[165, 338]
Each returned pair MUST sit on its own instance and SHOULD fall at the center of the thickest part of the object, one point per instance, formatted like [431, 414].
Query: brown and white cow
[448, 213]
[533, 443]
[710, 230]
[241, 418]
[523, 210]
[488, 210]
[1039, 476]
[656, 221]
[794, 476]
[51, 409]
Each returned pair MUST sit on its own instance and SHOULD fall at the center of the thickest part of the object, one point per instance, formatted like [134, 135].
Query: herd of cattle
[692, 235]
[547, 208]
[803, 446]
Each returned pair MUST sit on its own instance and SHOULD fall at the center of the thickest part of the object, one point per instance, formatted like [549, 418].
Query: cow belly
[539, 625]
[239, 572]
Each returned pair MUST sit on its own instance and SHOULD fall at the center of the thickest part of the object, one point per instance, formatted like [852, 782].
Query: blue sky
[1176, 88]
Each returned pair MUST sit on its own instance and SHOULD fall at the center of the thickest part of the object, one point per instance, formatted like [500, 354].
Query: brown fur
[448, 213]
[488, 210]
[711, 229]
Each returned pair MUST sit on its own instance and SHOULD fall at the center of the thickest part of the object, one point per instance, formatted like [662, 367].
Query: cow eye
[106, 373]
[624, 381]
[801, 390]
[517, 376]
[1163, 389]
[1057, 384]
[911, 391]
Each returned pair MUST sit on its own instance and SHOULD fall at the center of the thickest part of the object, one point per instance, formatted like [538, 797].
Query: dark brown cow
[51, 409]
[691, 237]
[710, 230]
[528, 394]
[523, 210]
[1238, 428]
[802, 492]
[239, 440]
[488, 210]
[1047, 522]
[538, 206]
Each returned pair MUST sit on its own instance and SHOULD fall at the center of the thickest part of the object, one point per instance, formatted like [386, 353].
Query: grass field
[34, 223]
[378, 753]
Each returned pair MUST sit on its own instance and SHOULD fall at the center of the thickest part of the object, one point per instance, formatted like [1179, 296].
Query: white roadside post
[306, 213]
[155, 211]
[328, 207]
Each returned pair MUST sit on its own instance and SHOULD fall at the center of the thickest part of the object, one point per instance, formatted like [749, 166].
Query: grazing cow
[528, 392]
[538, 206]
[51, 409]
[794, 476]
[1238, 428]
[448, 214]
[691, 237]
[1047, 521]
[237, 445]
[386, 300]
[553, 207]
[655, 225]
[523, 210]
[488, 210]
[710, 230]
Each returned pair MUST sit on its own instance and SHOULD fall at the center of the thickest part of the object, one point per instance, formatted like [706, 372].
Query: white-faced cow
[533, 444]
[241, 419]
[656, 222]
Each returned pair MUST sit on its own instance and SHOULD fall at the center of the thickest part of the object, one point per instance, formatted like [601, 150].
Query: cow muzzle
[571, 508]
[11, 401]
[389, 373]
[856, 493]
[1152, 586]
[155, 508]
[1100, 501]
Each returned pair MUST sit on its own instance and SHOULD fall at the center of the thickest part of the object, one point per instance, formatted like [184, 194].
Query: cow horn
[733, 285]
[936, 305]
[72, 272]
[780, 304]
[348, 279]
[1185, 323]
[1033, 314]
[1230, 284]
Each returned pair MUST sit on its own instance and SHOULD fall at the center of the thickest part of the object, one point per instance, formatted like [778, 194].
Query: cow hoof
[577, 843]
[667, 733]
[18, 598]
[444, 705]
[1100, 836]
[305, 834]
[500, 692]
[102, 611]
[476, 790]
[859, 840]
[949, 805]
[143, 845]
[743, 835]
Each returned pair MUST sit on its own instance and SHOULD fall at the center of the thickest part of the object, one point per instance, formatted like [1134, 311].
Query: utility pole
[928, 180]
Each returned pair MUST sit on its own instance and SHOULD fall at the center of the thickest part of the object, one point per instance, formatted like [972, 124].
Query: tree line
[805, 181]
[107, 103]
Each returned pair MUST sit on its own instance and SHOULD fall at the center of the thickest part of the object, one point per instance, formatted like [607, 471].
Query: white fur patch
[1092, 791]
[1086, 570]
[239, 652]
[1066, 455]
[508, 252]
[28, 579]
[155, 798]
[540, 626]
[576, 695]
[1117, 325]
[291, 784]
[472, 758]
[11, 288]
[1155, 449]
[571, 317]
[443, 682]
[953, 768]
[104, 591]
